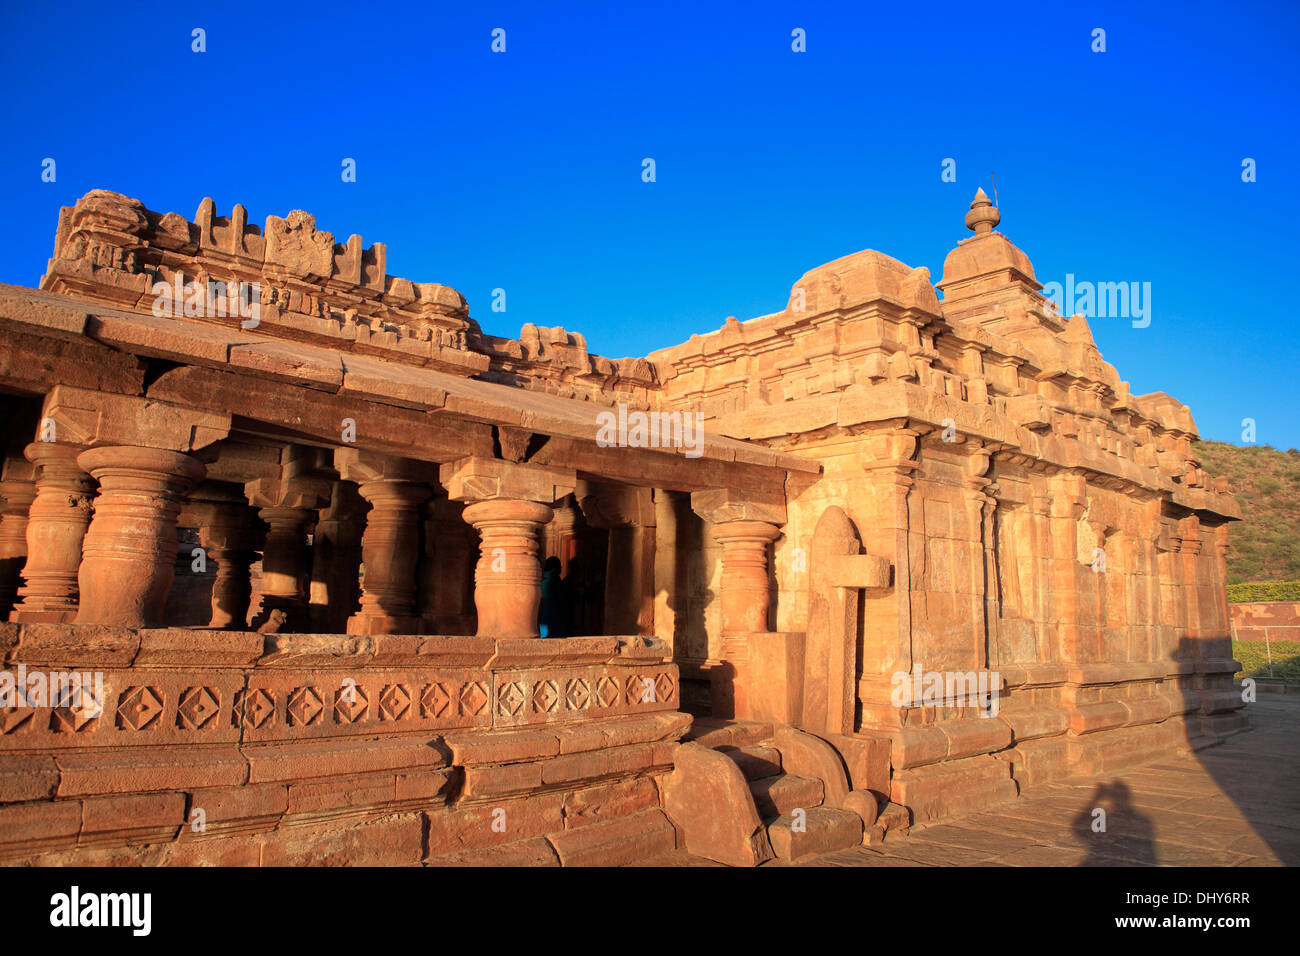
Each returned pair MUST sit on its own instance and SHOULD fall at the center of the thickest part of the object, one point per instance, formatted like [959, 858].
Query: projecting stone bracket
[84, 417]
[479, 479]
[857, 571]
[721, 505]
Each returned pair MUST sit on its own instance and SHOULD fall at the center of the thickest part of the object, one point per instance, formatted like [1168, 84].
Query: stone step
[623, 841]
[755, 763]
[715, 732]
[775, 796]
[822, 830]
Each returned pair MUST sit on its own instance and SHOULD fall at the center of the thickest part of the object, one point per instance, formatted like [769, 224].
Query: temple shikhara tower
[274, 527]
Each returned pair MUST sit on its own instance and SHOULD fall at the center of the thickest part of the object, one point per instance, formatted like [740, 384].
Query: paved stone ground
[1237, 804]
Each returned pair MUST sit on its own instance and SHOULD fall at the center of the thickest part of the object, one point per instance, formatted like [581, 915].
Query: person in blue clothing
[554, 615]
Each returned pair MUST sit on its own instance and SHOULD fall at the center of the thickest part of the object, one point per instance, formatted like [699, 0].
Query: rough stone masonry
[294, 522]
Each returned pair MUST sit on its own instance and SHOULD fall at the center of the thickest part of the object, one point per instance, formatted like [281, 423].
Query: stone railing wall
[1266, 620]
[237, 748]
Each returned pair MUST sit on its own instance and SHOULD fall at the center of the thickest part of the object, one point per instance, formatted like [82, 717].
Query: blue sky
[522, 170]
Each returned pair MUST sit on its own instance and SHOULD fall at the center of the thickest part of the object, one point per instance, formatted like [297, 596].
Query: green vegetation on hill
[1265, 544]
[1264, 591]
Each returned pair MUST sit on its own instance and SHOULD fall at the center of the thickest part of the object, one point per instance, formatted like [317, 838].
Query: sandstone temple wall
[888, 486]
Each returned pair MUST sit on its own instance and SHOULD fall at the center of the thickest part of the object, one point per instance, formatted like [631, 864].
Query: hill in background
[1265, 544]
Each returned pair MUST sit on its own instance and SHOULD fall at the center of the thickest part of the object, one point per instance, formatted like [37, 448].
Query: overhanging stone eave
[903, 401]
[348, 375]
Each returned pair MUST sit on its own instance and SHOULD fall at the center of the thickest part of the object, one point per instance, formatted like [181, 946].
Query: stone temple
[274, 525]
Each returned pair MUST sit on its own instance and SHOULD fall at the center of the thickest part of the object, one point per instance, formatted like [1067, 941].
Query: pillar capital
[759, 533]
[55, 459]
[507, 509]
[124, 463]
[483, 479]
[892, 450]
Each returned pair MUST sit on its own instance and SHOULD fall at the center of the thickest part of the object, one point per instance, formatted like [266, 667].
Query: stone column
[1069, 502]
[982, 586]
[231, 536]
[17, 491]
[667, 575]
[446, 574]
[508, 504]
[289, 506]
[129, 552]
[559, 533]
[629, 515]
[390, 544]
[745, 594]
[336, 560]
[508, 576]
[888, 458]
[390, 550]
[745, 527]
[1189, 548]
[57, 523]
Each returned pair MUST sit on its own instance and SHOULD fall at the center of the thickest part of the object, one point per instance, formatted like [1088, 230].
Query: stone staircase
[745, 793]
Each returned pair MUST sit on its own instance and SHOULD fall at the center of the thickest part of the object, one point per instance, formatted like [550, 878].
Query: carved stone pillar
[289, 507]
[745, 527]
[559, 533]
[746, 592]
[446, 571]
[390, 549]
[231, 536]
[629, 514]
[1069, 502]
[57, 523]
[1189, 547]
[17, 492]
[390, 545]
[336, 560]
[129, 552]
[508, 504]
[508, 577]
[668, 587]
[981, 508]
